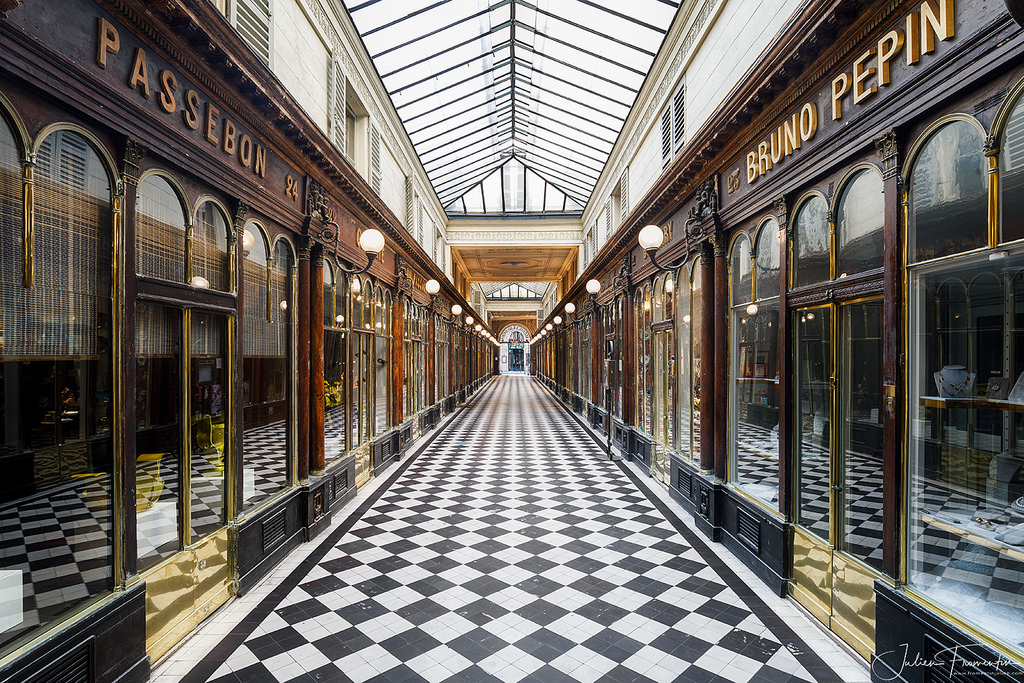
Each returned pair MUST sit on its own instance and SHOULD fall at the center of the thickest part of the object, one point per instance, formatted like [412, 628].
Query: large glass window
[55, 384]
[335, 354]
[687, 381]
[754, 462]
[965, 365]
[266, 352]
[158, 431]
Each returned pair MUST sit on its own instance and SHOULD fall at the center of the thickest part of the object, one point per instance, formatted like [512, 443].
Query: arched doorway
[515, 349]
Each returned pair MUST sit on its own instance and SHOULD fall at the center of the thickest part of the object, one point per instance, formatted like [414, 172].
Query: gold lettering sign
[219, 131]
[871, 70]
[933, 21]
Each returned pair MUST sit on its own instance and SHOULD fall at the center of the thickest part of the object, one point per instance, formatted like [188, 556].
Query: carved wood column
[316, 360]
[721, 311]
[707, 359]
[892, 306]
[124, 318]
[302, 321]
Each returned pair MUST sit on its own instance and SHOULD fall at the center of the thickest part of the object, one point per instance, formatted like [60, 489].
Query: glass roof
[513, 188]
[496, 291]
[477, 82]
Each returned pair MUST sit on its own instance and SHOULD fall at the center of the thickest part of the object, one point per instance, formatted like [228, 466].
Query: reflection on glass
[811, 248]
[696, 311]
[755, 401]
[157, 432]
[860, 222]
[949, 193]
[56, 454]
[210, 246]
[160, 231]
[208, 375]
[813, 361]
[966, 452]
[769, 255]
[861, 439]
[742, 271]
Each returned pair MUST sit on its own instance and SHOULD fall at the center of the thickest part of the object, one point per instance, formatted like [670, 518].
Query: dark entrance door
[515, 360]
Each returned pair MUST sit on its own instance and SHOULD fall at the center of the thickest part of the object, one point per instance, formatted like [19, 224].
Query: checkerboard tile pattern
[509, 551]
[61, 544]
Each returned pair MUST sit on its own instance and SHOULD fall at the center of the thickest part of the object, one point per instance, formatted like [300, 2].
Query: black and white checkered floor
[507, 550]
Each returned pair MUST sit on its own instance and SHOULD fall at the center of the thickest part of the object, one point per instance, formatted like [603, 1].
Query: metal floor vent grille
[749, 530]
[273, 531]
[75, 667]
[340, 482]
[385, 450]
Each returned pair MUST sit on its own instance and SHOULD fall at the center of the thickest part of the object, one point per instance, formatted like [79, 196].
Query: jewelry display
[953, 381]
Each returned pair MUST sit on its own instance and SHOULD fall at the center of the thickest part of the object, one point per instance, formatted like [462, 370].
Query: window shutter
[586, 251]
[420, 236]
[666, 136]
[624, 192]
[375, 175]
[679, 105]
[337, 109]
[410, 202]
[607, 219]
[252, 19]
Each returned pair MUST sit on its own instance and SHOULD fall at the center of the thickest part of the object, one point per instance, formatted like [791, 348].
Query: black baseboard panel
[756, 538]
[913, 644]
[267, 536]
[105, 646]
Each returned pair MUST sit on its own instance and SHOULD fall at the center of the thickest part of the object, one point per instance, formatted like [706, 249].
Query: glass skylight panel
[474, 80]
[514, 186]
[534, 192]
[555, 200]
[492, 193]
[474, 200]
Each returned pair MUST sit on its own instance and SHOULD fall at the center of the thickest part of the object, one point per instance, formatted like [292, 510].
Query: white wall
[742, 32]
[301, 59]
[392, 183]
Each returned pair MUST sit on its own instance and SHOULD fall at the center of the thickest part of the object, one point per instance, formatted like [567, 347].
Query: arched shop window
[56, 371]
[811, 242]
[161, 224]
[1011, 175]
[860, 223]
[966, 382]
[754, 446]
[266, 366]
[949, 180]
[687, 318]
[210, 248]
[336, 321]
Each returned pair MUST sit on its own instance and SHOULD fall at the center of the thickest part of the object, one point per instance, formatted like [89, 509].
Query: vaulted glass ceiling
[477, 82]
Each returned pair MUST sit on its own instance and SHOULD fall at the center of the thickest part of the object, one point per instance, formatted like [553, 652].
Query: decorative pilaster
[316, 359]
[708, 355]
[302, 321]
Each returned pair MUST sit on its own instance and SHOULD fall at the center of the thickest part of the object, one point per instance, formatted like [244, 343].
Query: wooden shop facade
[824, 360]
[194, 374]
